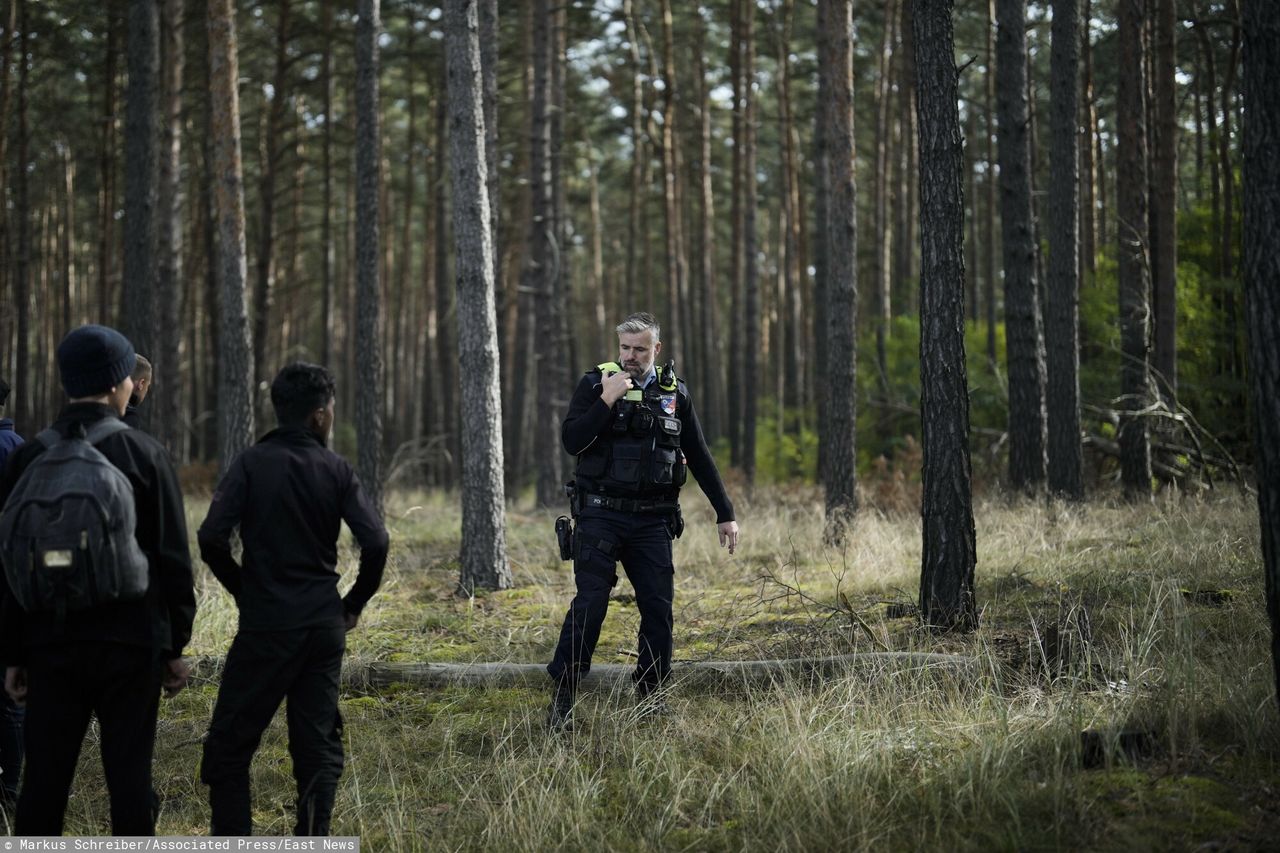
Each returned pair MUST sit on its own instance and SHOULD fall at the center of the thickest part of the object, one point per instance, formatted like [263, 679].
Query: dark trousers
[263, 669]
[118, 684]
[11, 717]
[643, 544]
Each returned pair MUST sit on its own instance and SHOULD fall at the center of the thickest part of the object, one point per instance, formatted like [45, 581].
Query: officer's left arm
[701, 463]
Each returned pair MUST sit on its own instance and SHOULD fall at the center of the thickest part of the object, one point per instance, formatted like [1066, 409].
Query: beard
[636, 371]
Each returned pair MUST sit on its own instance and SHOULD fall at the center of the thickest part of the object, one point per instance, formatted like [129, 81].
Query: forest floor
[1126, 696]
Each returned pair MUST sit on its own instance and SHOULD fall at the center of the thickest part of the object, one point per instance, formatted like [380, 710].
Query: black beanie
[93, 360]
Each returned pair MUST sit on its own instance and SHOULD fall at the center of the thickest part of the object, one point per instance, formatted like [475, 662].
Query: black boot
[560, 711]
[651, 701]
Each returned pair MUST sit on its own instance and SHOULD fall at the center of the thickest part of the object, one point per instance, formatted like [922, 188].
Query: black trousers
[263, 669]
[643, 543]
[118, 684]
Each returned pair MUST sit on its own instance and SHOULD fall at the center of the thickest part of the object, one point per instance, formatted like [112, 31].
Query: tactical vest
[638, 454]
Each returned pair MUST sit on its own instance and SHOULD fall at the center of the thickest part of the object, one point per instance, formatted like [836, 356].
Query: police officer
[633, 429]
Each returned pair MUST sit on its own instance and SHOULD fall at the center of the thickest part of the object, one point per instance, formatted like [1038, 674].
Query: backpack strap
[103, 428]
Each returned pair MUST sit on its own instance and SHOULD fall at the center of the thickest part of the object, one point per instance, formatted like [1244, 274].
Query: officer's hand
[176, 673]
[728, 535]
[614, 386]
[15, 684]
[351, 620]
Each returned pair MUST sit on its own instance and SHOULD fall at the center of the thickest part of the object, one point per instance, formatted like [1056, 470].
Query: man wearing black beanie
[110, 660]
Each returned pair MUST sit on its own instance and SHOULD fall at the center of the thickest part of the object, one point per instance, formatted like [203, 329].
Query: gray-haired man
[633, 429]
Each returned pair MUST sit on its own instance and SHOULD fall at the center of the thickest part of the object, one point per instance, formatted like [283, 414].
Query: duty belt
[629, 504]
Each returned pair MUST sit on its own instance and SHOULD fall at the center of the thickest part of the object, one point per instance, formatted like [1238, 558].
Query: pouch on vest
[67, 530]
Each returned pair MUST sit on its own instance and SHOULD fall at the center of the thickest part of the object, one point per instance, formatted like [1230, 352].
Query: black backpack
[67, 529]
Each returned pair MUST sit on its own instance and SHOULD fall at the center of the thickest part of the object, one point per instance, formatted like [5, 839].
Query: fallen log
[703, 674]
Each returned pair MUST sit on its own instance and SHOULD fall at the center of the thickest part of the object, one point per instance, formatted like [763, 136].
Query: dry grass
[1094, 617]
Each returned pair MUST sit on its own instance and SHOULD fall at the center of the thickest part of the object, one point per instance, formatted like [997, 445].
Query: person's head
[303, 395]
[639, 342]
[4, 395]
[141, 379]
[95, 364]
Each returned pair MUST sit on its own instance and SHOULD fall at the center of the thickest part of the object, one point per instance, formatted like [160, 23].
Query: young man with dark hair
[288, 495]
[112, 659]
[141, 375]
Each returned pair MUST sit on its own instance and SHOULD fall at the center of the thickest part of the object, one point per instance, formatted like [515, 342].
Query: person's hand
[15, 684]
[614, 386]
[176, 673]
[728, 535]
[350, 620]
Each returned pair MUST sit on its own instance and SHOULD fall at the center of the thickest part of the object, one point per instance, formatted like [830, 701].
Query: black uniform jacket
[162, 620]
[289, 495]
[588, 422]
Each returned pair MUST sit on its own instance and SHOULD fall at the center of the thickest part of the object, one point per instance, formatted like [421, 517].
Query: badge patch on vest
[668, 403]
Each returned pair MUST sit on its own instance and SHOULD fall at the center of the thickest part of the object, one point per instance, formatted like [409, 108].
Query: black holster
[564, 536]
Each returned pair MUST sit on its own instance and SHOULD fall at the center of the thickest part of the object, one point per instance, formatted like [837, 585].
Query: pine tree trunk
[883, 244]
[328, 296]
[1066, 461]
[107, 168]
[1132, 270]
[1261, 137]
[490, 37]
[446, 347]
[22, 399]
[368, 289]
[1088, 161]
[989, 182]
[840, 470]
[170, 292]
[235, 366]
[264, 282]
[1164, 212]
[713, 369]
[821, 249]
[638, 157]
[483, 555]
[750, 255]
[947, 567]
[142, 162]
[538, 271]
[1023, 324]
[735, 375]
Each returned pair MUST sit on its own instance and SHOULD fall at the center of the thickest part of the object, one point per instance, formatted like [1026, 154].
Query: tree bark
[734, 419]
[142, 162]
[107, 168]
[750, 254]
[713, 369]
[1164, 211]
[1133, 272]
[23, 399]
[1066, 459]
[1261, 136]
[368, 289]
[1089, 163]
[1024, 333]
[490, 37]
[989, 181]
[264, 282]
[840, 469]
[327, 295]
[673, 222]
[170, 292]
[883, 244]
[484, 551]
[539, 269]
[235, 366]
[947, 567]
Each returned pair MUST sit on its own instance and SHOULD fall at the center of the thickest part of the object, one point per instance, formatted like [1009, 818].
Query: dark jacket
[162, 620]
[131, 416]
[588, 421]
[9, 440]
[289, 495]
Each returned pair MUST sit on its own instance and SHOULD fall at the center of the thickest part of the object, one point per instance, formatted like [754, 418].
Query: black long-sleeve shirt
[289, 495]
[588, 421]
[162, 620]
